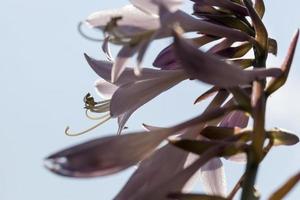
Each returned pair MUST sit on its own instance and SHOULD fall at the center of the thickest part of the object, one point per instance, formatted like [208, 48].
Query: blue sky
[43, 78]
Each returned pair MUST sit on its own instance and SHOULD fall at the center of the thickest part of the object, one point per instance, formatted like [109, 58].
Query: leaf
[201, 146]
[212, 70]
[224, 44]
[276, 83]
[261, 34]
[228, 21]
[282, 137]
[273, 47]
[192, 24]
[235, 52]
[206, 94]
[285, 188]
[241, 97]
[182, 196]
[259, 6]
[227, 4]
[226, 133]
[243, 63]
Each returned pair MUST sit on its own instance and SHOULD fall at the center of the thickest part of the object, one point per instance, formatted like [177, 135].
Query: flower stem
[256, 153]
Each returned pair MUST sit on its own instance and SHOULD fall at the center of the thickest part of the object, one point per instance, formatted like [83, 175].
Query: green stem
[255, 153]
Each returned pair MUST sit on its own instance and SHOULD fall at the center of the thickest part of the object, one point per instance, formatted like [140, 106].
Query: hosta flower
[171, 160]
[135, 26]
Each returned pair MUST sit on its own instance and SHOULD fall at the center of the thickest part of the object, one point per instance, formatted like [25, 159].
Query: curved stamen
[81, 32]
[104, 119]
[88, 115]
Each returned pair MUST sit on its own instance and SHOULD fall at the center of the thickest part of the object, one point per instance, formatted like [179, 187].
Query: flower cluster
[170, 159]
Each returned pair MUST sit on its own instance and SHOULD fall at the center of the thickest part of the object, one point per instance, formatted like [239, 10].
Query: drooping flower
[195, 147]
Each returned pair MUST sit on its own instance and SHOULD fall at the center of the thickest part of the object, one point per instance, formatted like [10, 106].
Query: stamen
[80, 31]
[104, 119]
[88, 115]
[100, 109]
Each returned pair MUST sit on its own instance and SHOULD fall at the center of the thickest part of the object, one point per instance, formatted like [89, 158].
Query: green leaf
[285, 188]
[229, 21]
[243, 63]
[282, 137]
[235, 52]
[241, 97]
[259, 6]
[226, 133]
[260, 29]
[201, 146]
[182, 196]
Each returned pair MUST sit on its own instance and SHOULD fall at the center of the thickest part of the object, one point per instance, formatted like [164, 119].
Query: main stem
[255, 153]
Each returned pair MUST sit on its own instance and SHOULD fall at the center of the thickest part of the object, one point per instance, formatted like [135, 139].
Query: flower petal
[122, 119]
[213, 178]
[106, 155]
[162, 165]
[119, 65]
[190, 184]
[131, 17]
[235, 119]
[103, 69]
[132, 96]
[211, 69]
[166, 59]
[151, 6]
[105, 89]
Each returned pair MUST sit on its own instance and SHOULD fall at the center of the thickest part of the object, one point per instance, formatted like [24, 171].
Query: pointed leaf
[276, 83]
[273, 47]
[259, 6]
[234, 7]
[207, 94]
[286, 188]
[201, 146]
[282, 137]
[235, 52]
[261, 34]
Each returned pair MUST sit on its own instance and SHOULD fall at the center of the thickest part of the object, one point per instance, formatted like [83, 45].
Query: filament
[81, 32]
[104, 119]
[88, 115]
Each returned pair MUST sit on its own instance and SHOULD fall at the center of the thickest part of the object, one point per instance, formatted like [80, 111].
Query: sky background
[44, 76]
